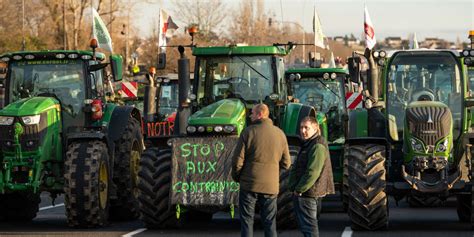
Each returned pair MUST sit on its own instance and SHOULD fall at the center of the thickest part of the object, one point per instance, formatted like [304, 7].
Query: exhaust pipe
[184, 85]
[372, 76]
[151, 102]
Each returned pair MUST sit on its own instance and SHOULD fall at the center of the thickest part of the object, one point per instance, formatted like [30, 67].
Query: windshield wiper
[328, 87]
[255, 70]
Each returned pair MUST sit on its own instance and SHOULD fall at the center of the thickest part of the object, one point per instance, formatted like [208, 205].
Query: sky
[446, 19]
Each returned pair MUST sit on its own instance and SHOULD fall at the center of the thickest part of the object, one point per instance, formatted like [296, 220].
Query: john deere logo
[18, 129]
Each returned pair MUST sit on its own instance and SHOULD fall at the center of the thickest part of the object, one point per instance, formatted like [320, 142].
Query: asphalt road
[404, 221]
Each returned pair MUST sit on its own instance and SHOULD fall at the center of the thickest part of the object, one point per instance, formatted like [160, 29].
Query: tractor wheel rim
[103, 185]
[134, 167]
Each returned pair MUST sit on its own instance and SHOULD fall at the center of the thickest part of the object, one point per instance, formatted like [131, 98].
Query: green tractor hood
[30, 106]
[223, 112]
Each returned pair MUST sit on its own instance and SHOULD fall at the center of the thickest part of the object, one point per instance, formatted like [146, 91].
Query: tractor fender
[119, 120]
[357, 125]
[367, 123]
[367, 140]
[294, 113]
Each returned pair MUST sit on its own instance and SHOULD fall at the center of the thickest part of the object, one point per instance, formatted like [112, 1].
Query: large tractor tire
[368, 208]
[19, 206]
[128, 150]
[345, 186]
[86, 186]
[424, 201]
[286, 217]
[154, 189]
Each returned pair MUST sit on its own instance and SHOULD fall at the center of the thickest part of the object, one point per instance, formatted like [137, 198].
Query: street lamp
[304, 35]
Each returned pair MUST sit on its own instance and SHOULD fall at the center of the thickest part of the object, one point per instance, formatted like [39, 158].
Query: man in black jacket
[311, 176]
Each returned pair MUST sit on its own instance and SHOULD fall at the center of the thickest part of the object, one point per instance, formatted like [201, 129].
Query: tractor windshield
[169, 99]
[247, 77]
[327, 96]
[63, 79]
[470, 76]
[424, 76]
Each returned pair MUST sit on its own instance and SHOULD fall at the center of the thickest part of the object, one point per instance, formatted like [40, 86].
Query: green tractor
[191, 178]
[414, 136]
[58, 134]
[325, 89]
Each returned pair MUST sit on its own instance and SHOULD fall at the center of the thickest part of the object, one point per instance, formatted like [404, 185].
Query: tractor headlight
[326, 75]
[218, 128]
[191, 129]
[229, 128]
[465, 53]
[201, 129]
[417, 145]
[31, 120]
[6, 120]
[442, 146]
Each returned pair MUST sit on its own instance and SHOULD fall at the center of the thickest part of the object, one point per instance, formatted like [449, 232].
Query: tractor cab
[73, 78]
[324, 89]
[229, 81]
[423, 79]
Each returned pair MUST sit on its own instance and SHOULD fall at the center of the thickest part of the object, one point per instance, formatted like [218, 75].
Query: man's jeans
[268, 210]
[306, 209]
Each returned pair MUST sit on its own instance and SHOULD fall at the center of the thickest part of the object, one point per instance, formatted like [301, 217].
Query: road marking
[134, 232]
[49, 207]
[347, 232]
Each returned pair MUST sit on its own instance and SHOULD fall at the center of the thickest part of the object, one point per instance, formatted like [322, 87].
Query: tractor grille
[429, 123]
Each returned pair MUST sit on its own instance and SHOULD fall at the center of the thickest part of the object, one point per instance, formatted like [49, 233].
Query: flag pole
[159, 30]
[314, 29]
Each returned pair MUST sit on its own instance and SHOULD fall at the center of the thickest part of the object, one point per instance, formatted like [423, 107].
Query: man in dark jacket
[310, 177]
[261, 151]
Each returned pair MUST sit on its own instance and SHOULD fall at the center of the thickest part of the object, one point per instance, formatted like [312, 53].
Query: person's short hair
[262, 108]
[311, 120]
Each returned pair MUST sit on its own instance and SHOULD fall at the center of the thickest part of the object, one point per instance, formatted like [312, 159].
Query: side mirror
[116, 62]
[96, 67]
[354, 69]
[161, 61]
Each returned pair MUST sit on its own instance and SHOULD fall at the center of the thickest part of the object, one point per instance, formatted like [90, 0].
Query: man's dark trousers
[307, 215]
[268, 210]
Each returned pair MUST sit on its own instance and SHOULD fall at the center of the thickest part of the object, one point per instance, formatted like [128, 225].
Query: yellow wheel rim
[135, 166]
[103, 185]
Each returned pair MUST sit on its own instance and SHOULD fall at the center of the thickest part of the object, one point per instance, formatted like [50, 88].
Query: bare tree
[207, 14]
[250, 24]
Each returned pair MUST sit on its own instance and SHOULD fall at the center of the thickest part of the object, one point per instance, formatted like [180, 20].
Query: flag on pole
[413, 42]
[166, 29]
[318, 31]
[332, 62]
[369, 30]
[100, 32]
